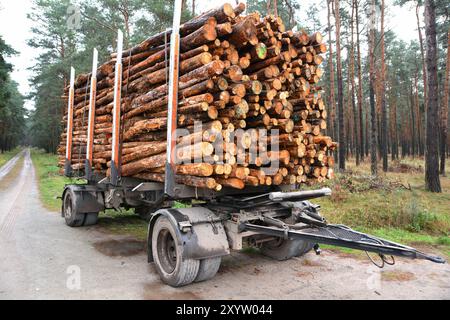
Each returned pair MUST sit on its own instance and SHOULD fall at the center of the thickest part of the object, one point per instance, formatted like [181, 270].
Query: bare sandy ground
[41, 258]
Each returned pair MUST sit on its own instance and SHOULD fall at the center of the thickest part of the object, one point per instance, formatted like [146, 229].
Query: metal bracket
[148, 186]
[172, 117]
[91, 122]
[115, 158]
[69, 131]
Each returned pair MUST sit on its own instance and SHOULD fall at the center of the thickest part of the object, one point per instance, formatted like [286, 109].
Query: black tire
[208, 269]
[167, 255]
[282, 250]
[90, 219]
[73, 218]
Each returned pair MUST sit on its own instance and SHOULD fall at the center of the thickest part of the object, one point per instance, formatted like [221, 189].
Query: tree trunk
[373, 130]
[418, 123]
[342, 145]
[424, 64]
[413, 122]
[353, 84]
[333, 128]
[393, 125]
[360, 85]
[384, 127]
[444, 111]
[432, 180]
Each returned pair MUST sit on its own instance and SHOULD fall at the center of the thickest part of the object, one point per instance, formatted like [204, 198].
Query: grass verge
[8, 155]
[51, 182]
[394, 206]
[123, 223]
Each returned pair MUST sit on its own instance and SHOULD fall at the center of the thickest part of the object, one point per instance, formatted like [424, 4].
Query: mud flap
[199, 231]
[342, 236]
[87, 199]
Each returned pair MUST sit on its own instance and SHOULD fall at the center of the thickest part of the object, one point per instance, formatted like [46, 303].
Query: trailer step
[343, 236]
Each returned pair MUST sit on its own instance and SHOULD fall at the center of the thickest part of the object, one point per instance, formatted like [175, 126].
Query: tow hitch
[306, 223]
[342, 236]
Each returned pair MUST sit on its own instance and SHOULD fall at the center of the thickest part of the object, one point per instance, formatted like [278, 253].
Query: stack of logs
[236, 72]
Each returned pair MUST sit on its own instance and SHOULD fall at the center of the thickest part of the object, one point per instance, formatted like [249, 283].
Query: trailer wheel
[208, 269]
[281, 249]
[71, 215]
[167, 255]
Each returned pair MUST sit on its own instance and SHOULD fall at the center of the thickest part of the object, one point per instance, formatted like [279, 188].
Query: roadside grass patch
[51, 182]
[8, 180]
[123, 223]
[394, 206]
[8, 155]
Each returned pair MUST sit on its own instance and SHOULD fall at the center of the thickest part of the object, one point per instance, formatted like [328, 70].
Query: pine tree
[432, 180]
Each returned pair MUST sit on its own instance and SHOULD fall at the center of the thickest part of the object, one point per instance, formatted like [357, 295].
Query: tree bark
[432, 180]
[384, 127]
[342, 145]
[444, 111]
[353, 85]
[333, 129]
[422, 54]
[373, 131]
[360, 85]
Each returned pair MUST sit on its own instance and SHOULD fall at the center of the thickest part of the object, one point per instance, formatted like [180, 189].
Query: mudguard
[199, 232]
[86, 200]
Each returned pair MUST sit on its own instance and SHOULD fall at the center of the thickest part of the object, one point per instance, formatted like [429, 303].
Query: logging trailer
[187, 245]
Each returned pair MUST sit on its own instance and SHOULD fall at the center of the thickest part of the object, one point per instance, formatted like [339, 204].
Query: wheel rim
[68, 207]
[167, 251]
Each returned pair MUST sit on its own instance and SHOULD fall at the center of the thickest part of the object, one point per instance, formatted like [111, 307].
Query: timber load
[238, 76]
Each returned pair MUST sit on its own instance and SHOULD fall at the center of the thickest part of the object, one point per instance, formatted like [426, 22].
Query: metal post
[91, 124]
[69, 132]
[172, 117]
[115, 159]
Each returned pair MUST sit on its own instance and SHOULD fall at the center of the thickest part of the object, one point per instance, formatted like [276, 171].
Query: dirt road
[41, 258]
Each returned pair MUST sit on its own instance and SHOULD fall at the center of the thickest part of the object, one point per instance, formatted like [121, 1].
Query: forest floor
[395, 205]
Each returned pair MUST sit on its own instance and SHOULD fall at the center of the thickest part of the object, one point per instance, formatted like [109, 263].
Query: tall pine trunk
[384, 127]
[360, 86]
[331, 70]
[444, 111]
[373, 116]
[418, 123]
[413, 121]
[353, 84]
[432, 180]
[424, 64]
[393, 124]
[342, 141]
